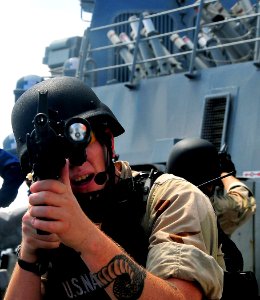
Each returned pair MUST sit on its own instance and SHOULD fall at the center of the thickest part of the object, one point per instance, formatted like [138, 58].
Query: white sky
[27, 27]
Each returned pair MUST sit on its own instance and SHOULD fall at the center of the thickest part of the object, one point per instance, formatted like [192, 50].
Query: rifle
[226, 165]
[53, 140]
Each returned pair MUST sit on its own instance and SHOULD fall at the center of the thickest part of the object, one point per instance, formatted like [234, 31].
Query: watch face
[18, 250]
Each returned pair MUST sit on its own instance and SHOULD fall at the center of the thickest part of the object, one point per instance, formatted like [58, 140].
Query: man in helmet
[89, 232]
[198, 161]
[10, 169]
[9, 164]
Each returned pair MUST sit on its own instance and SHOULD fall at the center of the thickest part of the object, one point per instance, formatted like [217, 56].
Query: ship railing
[224, 44]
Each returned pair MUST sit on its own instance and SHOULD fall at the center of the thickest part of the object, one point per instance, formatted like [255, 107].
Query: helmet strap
[108, 176]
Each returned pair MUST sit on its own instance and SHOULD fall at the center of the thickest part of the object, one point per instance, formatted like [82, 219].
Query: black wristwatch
[36, 267]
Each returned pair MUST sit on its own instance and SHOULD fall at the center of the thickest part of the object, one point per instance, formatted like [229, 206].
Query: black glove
[226, 164]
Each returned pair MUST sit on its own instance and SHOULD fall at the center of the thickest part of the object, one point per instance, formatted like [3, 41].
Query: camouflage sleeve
[234, 207]
[183, 235]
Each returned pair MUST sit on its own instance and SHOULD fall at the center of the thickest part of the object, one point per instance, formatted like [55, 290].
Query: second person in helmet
[198, 161]
[103, 241]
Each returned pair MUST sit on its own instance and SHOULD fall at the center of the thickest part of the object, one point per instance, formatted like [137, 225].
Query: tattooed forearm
[127, 276]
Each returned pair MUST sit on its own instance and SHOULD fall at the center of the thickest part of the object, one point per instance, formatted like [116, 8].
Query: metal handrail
[193, 52]
[174, 55]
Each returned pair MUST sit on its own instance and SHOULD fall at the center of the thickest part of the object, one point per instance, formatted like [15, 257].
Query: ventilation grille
[214, 124]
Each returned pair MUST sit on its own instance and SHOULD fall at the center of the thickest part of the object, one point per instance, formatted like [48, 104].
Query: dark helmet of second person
[194, 159]
[71, 98]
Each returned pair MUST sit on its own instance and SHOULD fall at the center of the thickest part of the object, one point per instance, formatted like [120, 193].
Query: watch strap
[30, 267]
[35, 267]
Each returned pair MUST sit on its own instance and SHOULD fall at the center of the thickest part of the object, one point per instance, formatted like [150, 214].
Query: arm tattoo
[128, 277]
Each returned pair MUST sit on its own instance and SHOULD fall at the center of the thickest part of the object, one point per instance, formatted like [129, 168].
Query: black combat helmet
[194, 159]
[71, 98]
